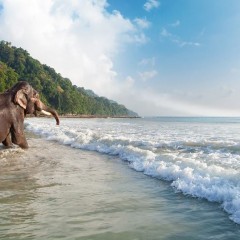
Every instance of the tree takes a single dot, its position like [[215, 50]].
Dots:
[[55, 90], [7, 77]]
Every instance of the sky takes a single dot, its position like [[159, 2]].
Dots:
[[157, 57]]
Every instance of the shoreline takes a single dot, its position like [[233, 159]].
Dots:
[[87, 116], [95, 116]]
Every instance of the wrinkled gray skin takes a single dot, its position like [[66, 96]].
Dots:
[[15, 103]]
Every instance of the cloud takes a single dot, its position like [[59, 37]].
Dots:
[[148, 62], [139, 38], [175, 24], [78, 38], [165, 33], [176, 39], [169, 104], [147, 75], [150, 4], [142, 22], [182, 43]]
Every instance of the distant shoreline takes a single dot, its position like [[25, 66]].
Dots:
[[87, 116], [94, 116]]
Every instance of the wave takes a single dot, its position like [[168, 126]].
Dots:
[[203, 168]]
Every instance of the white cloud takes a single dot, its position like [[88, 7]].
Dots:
[[147, 62], [165, 33], [167, 104], [150, 4], [175, 24], [142, 22], [182, 43], [147, 75], [177, 40], [77, 38]]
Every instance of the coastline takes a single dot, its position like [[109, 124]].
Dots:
[[95, 116], [85, 116]]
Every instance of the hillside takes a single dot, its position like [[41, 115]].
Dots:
[[56, 91]]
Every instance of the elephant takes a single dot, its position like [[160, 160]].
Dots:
[[15, 103]]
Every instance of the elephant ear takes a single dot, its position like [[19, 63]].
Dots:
[[20, 99]]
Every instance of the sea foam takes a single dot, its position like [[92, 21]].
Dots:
[[198, 159]]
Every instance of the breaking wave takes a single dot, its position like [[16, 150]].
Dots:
[[198, 159]]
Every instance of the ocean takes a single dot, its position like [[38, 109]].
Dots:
[[143, 178]]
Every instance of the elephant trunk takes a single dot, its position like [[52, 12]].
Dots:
[[41, 107], [50, 111]]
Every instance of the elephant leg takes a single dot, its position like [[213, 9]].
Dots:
[[7, 142], [18, 137]]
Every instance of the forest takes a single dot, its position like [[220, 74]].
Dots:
[[16, 64]]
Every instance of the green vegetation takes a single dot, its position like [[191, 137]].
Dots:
[[17, 65]]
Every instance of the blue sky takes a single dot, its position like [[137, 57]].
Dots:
[[157, 57], [195, 48]]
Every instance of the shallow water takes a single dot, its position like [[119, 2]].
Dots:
[[53, 191]]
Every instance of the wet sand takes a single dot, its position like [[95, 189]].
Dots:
[[55, 192]]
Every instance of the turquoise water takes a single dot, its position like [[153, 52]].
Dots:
[[122, 179]]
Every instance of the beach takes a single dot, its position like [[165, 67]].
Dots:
[[55, 190]]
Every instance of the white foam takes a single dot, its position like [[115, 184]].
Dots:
[[7, 153], [202, 161]]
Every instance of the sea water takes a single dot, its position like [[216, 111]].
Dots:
[[156, 178], [198, 156]]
